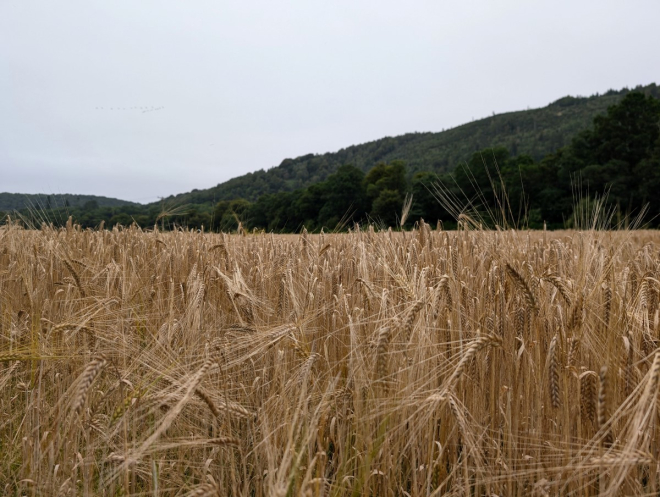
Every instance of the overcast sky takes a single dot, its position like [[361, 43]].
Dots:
[[138, 99]]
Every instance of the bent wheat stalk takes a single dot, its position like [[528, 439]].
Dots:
[[476, 346]]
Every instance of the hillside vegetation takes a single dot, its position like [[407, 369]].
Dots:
[[41, 201], [415, 363], [615, 160], [534, 132]]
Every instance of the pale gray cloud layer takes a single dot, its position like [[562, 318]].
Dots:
[[246, 84]]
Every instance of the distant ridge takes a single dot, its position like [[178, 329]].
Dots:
[[40, 201], [535, 132]]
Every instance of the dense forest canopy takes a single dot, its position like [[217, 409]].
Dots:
[[534, 132], [616, 158], [18, 201]]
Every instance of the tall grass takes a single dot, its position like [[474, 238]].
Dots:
[[369, 363]]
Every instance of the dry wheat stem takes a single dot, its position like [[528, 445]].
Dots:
[[347, 364]]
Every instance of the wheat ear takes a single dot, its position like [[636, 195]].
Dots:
[[443, 286], [384, 337], [521, 283], [475, 347], [553, 373], [588, 395], [190, 387], [205, 490], [629, 372], [561, 286], [91, 371], [602, 406], [75, 276]]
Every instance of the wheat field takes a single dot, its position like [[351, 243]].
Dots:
[[366, 363]]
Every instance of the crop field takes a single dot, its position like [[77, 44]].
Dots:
[[366, 363]]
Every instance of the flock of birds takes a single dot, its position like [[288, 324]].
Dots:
[[142, 109]]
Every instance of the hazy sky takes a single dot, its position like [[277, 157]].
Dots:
[[240, 86]]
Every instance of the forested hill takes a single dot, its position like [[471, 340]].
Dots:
[[615, 159], [41, 201], [535, 132]]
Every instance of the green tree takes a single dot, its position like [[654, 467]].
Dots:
[[387, 206], [648, 174], [385, 187], [309, 203], [228, 213], [344, 197], [479, 182], [609, 156], [426, 204]]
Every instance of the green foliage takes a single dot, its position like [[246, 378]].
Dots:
[[323, 205], [386, 206], [481, 174], [18, 201], [647, 173], [228, 214], [619, 155], [535, 132], [386, 187], [425, 204], [343, 197]]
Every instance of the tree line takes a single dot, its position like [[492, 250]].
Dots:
[[617, 159], [534, 132]]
